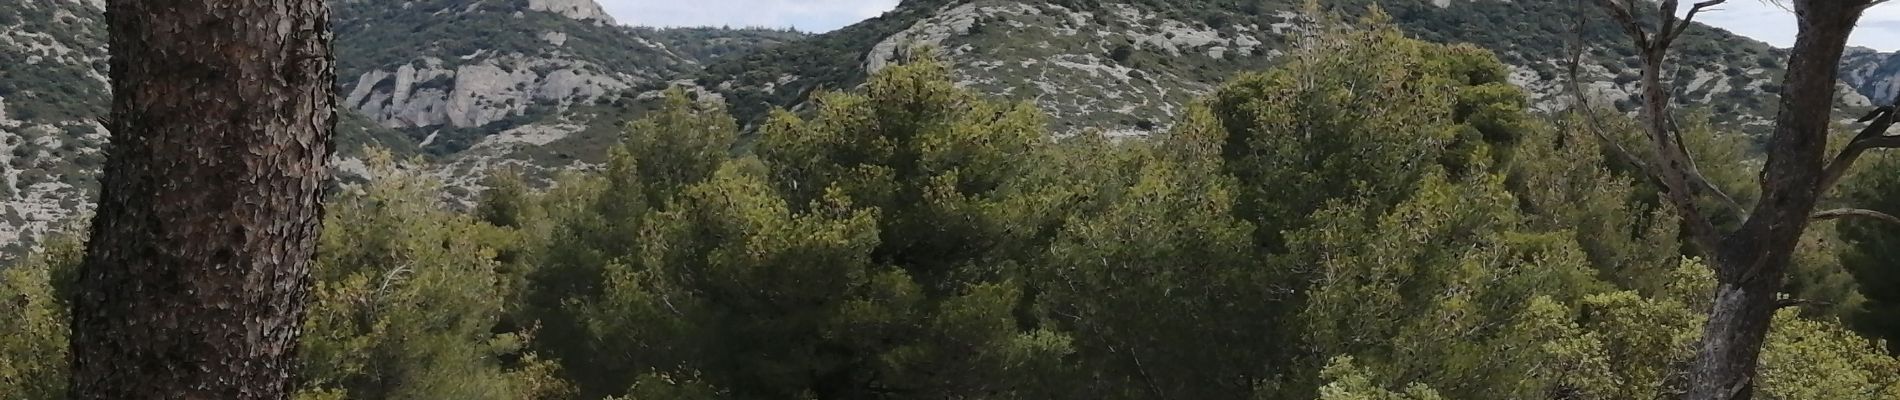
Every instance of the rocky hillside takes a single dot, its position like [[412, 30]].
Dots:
[[454, 71], [539, 84], [52, 86], [467, 84], [472, 85], [1127, 67], [1872, 73]]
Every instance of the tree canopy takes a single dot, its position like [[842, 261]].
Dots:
[[1378, 218]]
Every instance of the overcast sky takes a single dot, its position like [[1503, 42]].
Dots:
[[806, 15], [1765, 21], [1759, 19]]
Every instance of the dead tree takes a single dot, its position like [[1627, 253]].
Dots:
[[196, 276], [1752, 260]]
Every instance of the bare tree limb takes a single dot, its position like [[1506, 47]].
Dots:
[[1575, 86], [1673, 167], [1676, 27], [1750, 262], [1693, 171], [1793, 302], [1872, 137], [1855, 213], [1626, 18], [1882, 142]]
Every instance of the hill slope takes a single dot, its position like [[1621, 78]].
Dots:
[[543, 84], [1128, 67], [52, 86], [1872, 73], [475, 67], [434, 77]]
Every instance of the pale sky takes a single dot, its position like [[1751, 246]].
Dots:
[[1760, 19], [1768, 22], [806, 15]]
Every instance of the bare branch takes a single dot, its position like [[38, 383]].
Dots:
[[1793, 302], [1872, 137], [1673, 167], [1674, 30], [1882, 142], [1855, 213], [1626, 17], [1575, 86], [1583, 106], [1693, 171]]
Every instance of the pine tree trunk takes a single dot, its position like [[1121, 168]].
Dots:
[[195, 282], [1754, 260]]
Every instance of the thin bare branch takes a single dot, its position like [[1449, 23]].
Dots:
[[1841, 213], [1626, 17], [1693, 171], [1793, 302], [1575, 85], [1874, 136], [1673, 167], [1676, 28]]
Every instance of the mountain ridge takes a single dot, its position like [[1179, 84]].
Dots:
[[543, 85], [1156, 56], [410, 71]]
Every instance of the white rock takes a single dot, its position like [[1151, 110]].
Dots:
[[477, 94], [480, 95], [585, 10], [932, 31], [4, 122]]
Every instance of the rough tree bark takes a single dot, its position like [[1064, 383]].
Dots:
[[1751, 262], [195, 282]]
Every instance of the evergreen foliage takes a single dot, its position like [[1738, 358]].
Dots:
[[1378, 218], [34, 300], [1870, 247], [408, 303]]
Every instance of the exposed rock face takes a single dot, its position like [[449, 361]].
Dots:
[[506, 82], [422, 66], [1132, 68], [468, 169], [933, 31], [474, 95], [1874, 74], [511, 59], [1080, 66], [1127, 70], [586, 10]]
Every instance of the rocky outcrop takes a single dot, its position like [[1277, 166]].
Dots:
[[1872, 73], [477, 94], [501, 67], [1081, 66], [585, 10], [1128, 68], [933, 31]]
